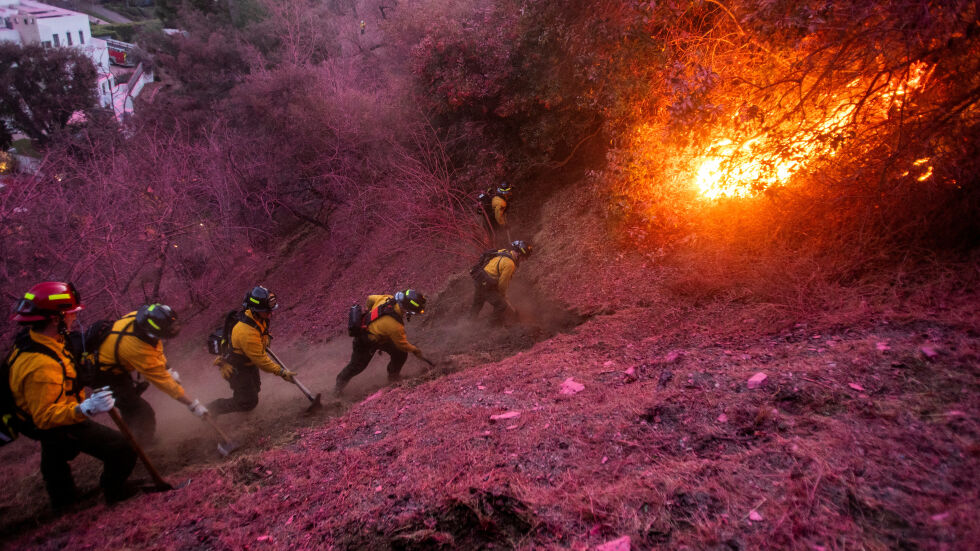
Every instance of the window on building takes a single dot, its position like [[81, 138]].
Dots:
[[81, 37], [68, 36], [57, 40], [46, 43]]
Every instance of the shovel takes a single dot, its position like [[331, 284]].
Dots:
[[160, 485], [227, 445], [315, 400]]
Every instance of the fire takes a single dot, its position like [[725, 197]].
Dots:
[[926, 175], [744, 168], [926, 172]]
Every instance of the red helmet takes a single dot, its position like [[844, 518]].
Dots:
[[46, 300]]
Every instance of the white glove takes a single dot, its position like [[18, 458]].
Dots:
[[100, 401], [197, 409], [174, 375]]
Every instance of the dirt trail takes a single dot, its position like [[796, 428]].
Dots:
[[185, 444]]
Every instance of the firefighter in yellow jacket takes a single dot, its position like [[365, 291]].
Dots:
[[133, 348], [383, 328], [494, 211], [50, 405], [249, 340], [492, 276]]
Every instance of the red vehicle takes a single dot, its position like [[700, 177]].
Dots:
[[119, 52]]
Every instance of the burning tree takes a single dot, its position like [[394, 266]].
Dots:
[[823, 111]]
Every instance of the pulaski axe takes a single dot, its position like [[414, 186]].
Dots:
[[314, 400]]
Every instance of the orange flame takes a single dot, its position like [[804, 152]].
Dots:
[[743, 169]]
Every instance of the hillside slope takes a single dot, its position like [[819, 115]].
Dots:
[[863, 433]]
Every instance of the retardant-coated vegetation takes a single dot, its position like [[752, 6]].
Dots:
[[714, 190]]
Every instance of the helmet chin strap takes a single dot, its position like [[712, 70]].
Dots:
[[62, 326]]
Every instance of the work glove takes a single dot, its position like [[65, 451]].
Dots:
[[100, 401], [227, 370], [174, 375], [197, 409], [287, 375]]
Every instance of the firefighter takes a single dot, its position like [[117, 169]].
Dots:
[[133, 348], [492, 276], [383, 328], [53, 410], [249, 340], [494, 212]]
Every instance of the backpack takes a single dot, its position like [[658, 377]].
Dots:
[[477, 272], [13, 420], [358, 320], [219, 341], [485, 203], [84, 349], [355, 316]]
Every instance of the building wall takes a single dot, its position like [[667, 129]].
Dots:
[[9, 35], [97, 50], [26, 25], [66, 28], [48, 25]]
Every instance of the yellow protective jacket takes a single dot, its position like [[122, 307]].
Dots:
[[388, 329], [499, 205], [501, 269], [251, 343], [41, 388], [137, 355]]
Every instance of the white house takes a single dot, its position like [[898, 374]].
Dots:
[[49, 25], [29, 22]]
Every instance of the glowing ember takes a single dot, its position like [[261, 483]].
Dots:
[[926, 175], [925, 172]]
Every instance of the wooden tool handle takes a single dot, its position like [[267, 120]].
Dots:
[[302, 387], [221, 433], [124, 429], [305, 390]]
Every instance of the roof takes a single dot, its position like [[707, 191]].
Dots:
[[43, 11]]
